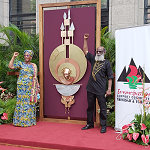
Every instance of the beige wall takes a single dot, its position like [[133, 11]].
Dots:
[[125, 13], [4, 12]]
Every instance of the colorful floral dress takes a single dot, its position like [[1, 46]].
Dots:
[[25, 111]]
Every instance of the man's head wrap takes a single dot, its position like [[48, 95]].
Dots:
[[30, 52]]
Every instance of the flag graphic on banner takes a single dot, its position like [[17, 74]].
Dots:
[[133, 76]]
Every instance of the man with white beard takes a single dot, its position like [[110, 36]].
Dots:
[[96, 87]]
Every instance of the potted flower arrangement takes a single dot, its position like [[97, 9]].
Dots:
[[138, 131]]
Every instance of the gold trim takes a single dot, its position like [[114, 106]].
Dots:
[[98, 43], [39, 148], [69, 3], [41, 59], [64, 121], [98, 37], [97, 67]]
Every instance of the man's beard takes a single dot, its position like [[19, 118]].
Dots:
[[99, 58]]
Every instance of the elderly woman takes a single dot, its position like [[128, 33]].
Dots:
[[27, 90]]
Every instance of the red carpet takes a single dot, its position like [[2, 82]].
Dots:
[[65, 137]]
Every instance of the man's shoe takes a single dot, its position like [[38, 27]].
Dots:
[[103, 129], [87, 127]]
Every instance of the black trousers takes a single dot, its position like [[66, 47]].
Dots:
[[91, 98]]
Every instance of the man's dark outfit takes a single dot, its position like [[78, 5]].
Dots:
[[96, 88]]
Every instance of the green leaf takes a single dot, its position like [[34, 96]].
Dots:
[[1, 110], [124, 135], [131, 130], [146, 132]]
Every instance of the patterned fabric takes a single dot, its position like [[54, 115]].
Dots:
[[26, 73], [34, 90], [25, 111], [97, 67], [30, 52]]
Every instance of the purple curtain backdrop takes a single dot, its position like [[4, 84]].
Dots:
[[84, 22]]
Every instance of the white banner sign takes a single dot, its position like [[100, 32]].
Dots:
[[132, 61]]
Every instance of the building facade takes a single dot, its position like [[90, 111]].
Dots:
[[4, 13], [125, 13], [122, 13]]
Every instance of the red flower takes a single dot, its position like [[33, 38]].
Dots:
[[125, 128], [144, 138], [143, 126], [2, 89], [5, 116], [145, 94], [1, 82], [129, 136], [135, 136]]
